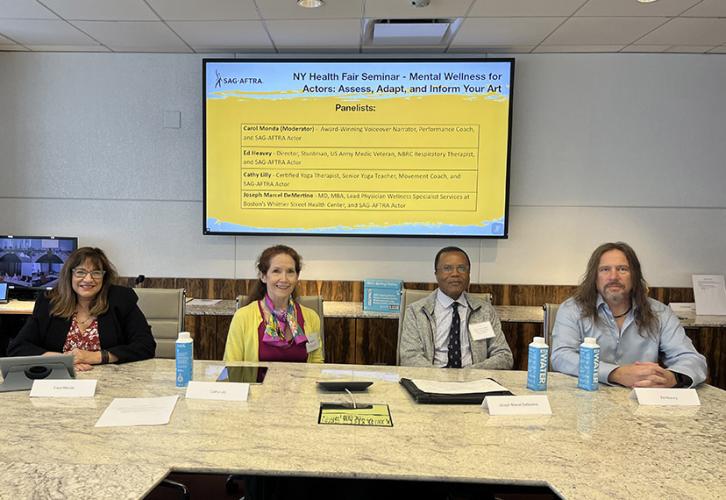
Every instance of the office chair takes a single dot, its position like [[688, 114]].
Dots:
[[408, 297], [550, 314], [164, 311]]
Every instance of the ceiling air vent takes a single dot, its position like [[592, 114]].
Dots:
[[409, 32]]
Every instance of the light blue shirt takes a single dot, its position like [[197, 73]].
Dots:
[[671, 347]]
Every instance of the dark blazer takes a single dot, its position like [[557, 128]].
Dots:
[[122, 329]]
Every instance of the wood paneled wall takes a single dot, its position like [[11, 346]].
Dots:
[[373, 341], [352, 291]]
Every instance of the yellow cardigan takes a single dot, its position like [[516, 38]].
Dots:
[[243, 339]]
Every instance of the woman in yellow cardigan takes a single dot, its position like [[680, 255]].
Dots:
[[273, 326]]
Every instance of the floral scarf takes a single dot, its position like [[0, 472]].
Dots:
[[279, 325]]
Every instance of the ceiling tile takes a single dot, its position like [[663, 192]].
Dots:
[[688, 31], [645, 48], [524, 8], [102, 10], [43, 32], [129, 36], [602, 30], [386, 9], [577, 48], [690, 49], [707, 8], [223, 35], [332, 9], [328, 35], [23, 9], [524, 49], [209, 10], [661, 8], [492, 32], [68, 48]]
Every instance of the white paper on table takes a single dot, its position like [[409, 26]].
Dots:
[[63, 388], [360, 375], [138, 411], [203, 302], [222, 391], [473, 386], [709, 290]]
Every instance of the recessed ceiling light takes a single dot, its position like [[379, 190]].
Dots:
[[310, 4], [641, 1]]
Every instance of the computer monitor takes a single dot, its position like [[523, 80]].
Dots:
[[29, 264]]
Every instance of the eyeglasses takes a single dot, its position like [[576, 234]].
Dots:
[[618, 269], [79, 272], [448, 269]]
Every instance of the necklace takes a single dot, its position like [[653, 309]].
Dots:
[[618, 316]]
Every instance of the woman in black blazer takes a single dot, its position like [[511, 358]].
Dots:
[[88, 316]]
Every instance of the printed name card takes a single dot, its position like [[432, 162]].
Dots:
[[64, 388], [222, 391], [665, 397], [517, 405]]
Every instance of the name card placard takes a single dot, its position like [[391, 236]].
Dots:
[[517, 405], [665, 397], [220, 391], [55, 388]]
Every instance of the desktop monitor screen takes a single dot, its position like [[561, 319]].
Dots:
[[33, 262], [394, 147]]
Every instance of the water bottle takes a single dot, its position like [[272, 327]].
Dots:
[[589, 364], [537, 362], [184, 359]]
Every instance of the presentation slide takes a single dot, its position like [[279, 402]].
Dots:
[[401, 148]]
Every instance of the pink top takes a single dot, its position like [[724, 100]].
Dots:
[[87, 340], [291, 352]]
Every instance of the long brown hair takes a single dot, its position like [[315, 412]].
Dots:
[[586, 294], [63, 299], [263, 265]]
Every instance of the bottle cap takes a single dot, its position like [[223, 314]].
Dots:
[[184, 336], [590, 341], [539, 341]]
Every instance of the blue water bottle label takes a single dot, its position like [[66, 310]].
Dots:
[[589, 364], [184, 363], [537, 368]]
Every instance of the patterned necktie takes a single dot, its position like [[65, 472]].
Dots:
[[454, 345]]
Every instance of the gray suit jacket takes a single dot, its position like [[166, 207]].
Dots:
[[419, 325]]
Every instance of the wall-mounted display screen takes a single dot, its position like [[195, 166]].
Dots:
[[33, 262], [414, 147]]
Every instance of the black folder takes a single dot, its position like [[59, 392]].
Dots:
[[448, 399]]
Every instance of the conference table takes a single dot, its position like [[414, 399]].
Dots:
[[594, 445]]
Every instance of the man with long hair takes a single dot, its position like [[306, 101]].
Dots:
[[642, 343]]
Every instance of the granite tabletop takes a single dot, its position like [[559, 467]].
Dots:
[[595, 445]]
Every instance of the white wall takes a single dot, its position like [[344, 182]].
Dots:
[[605, 147]]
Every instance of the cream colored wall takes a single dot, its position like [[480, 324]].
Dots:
[[605, 147]]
